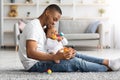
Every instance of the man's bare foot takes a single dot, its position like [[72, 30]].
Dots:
[[106, 63]]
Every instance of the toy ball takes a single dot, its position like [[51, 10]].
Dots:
[[54, 37], [49, 71], [60, 34], [66, 50]]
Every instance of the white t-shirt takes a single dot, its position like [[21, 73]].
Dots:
[[32, 31], [55, 45]]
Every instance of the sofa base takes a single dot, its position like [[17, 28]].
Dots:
[[84, 43]]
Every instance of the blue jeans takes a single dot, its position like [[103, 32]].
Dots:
[[80, 63]]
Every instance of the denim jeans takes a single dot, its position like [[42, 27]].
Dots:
[[80, 63]]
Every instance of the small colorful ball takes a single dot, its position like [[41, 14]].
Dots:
[[49, 71], [61, 34], [66, 50]]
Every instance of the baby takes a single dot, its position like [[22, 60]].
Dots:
[[54, 41]]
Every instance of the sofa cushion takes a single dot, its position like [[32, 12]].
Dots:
[[92, 28], [82, 36], [72, 26]]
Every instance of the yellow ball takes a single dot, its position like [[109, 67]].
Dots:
[[66, 50], [49, 71], [54, 37]]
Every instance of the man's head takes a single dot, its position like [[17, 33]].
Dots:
[[54, 7], [51, 15]]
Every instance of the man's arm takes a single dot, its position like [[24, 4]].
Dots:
[[31, 49]]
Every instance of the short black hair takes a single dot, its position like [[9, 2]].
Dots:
[[54, 7]]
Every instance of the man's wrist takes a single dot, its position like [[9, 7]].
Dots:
[[53, 57]]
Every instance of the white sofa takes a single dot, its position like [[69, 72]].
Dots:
[[74, 31]]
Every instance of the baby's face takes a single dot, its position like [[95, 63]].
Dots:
[[51, 32]]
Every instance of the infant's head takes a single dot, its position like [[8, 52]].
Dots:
[[50, 32]]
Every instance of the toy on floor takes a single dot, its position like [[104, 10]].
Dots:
[[49, 71], [13, 11]]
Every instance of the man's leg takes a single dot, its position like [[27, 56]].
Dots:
[[72, 65], [77, 64], [89, 58], [112, 64]]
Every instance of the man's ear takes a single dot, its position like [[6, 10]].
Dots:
[[47, 12]]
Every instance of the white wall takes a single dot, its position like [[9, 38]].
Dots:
[[115, 22], [0, 24], [69, 10], [79, 11]]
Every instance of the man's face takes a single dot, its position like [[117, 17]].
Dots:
[[52, 18]]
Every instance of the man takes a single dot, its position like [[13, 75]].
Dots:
[[35, 58]]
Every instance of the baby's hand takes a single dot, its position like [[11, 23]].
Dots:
[[59, 38]]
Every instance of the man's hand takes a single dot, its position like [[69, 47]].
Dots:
[[62, 55], [59, 55], [72, 52]]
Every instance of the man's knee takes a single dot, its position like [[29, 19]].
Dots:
[[74, 61]]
